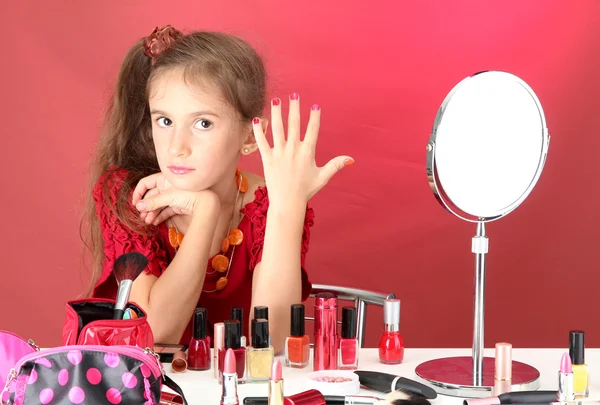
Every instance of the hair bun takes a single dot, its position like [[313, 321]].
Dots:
[[159, 40]]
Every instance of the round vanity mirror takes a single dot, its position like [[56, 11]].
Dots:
[[485, 154]]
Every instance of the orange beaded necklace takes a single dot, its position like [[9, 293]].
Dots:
[[220, 263]]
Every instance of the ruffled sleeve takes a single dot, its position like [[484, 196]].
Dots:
[[118, 237], [256, 211]]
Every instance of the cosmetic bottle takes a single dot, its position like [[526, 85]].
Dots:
[[348, 347], [219, 343], [503, 369], [259, 356], [237, 314], [233, 335], [199, 351], [580, 369], [391, 344], [325, 352], [297, 345]]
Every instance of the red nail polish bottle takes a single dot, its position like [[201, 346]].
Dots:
[[233, 336], [348, 351], [391, 344], [199, 350]]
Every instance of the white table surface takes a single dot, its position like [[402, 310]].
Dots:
[[200, 387]]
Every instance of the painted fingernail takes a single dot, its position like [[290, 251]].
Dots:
[[256, 120], [348, 162], [140, 206], [294, 96], [276, 101], [316, 107]]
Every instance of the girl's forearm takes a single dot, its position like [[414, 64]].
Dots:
[[277, 279]]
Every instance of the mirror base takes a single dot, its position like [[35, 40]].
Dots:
[[453, 376]]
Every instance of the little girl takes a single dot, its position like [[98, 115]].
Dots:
[[166, 184]]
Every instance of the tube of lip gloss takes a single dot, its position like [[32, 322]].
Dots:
[[219, 344]]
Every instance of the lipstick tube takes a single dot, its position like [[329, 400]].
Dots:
[[276, 385], [229, 394], [565, 380], [503, 370], [325, 352]]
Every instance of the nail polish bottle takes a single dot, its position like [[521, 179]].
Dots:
[[580, 369], [391, 344], [348, 350], [259, 356], [262, 313], [237, 314], [297, 345], [233, 336], [219, 343], [199, 350]]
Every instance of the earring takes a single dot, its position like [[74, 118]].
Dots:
[[246, 150]]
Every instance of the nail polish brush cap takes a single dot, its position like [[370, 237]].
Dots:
[[297, 327], [577, 346], [391, 312], [260, 333], [200, 323], [349, 323]]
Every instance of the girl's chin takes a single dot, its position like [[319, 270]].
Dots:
[[185, 182]]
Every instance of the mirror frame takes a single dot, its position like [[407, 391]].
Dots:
[[432, 174]]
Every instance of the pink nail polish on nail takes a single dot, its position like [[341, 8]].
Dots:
[[316, 107], [256, 121], [294, 96], [276, 101], [348, 162]]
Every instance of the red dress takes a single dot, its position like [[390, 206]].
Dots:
[[119, 239]]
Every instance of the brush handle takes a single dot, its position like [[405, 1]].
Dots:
[[122, 298]]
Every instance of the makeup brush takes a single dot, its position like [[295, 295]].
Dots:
[[398, 397], [127, 268], [403, 397]]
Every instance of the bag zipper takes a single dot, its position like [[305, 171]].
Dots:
[[30, 342], [131, 351]]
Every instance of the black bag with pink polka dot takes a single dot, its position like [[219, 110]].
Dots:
[[86, 375]]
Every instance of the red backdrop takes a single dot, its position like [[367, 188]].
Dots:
[[380, 74]]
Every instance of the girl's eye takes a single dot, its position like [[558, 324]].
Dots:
[[203, 124], [164, 122]]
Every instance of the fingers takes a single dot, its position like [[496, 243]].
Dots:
[[150, 204], [143, 186], [277, 124], [149, 194], [293, 128], [332, 167], [260, 137], [164, 215], [312, 130]]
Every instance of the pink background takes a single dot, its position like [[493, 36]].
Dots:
[[380, 74]]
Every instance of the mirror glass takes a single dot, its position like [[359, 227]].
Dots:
[[488, 146]]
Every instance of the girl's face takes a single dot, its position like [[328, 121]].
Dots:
[[197, 135]]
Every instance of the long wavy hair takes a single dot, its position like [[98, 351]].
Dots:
[[126, 140]]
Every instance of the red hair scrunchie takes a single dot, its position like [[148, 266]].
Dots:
[[160, 40]]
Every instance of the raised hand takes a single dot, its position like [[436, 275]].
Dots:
[[291, 173]]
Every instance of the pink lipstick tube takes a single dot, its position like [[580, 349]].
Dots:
[[325, 356], [503, 371]]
